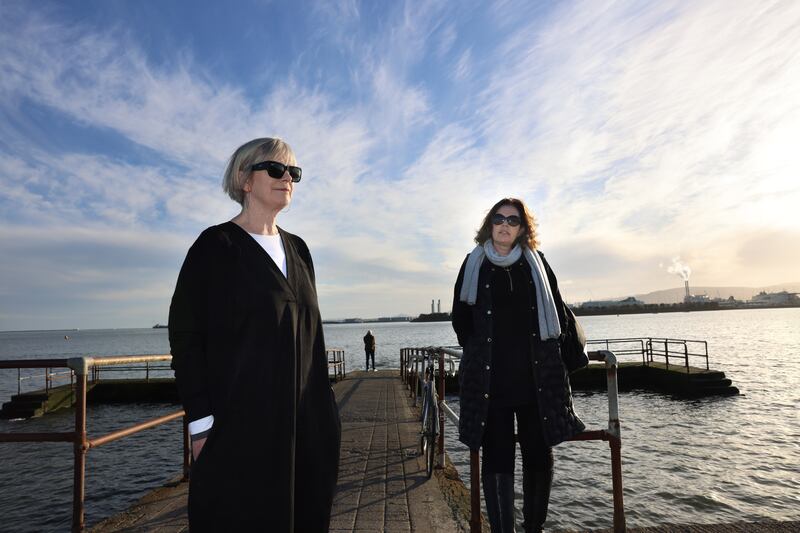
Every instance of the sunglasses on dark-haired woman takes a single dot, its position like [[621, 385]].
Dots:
[[512, 220]]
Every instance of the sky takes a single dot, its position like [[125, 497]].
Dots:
[[645, 136]]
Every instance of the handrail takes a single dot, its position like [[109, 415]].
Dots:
[[612, 433], [105, 361], [81, 443]]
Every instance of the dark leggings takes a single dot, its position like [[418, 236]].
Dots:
[[499, 448], [370, 353]]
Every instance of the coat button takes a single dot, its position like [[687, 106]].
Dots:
[[486, 396], [544, 418], [540, 389], [489, 339], [487, 285], [533, 307], [536, 362], [487, 367], [533, 334], [489, 312], [484, 423]]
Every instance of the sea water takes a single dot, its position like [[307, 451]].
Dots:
[[709, 460]]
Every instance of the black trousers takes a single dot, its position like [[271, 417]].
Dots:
[[370, 353], [499, 448]]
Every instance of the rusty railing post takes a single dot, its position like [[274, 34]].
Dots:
[[616, 481], [686, 355], [475, 491], [441, 411], [416, 378], [614, 433], [80, 365]]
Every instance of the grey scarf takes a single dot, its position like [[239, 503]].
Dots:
[[549, 327]]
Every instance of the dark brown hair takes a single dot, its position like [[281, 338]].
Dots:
[[526, 237]]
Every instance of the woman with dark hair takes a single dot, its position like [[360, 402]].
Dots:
[[249, 358], [512, 323]]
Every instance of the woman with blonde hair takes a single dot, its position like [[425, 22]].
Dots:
[[249, 358], [513, 325]]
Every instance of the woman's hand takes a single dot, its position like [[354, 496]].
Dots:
[[197, 445]]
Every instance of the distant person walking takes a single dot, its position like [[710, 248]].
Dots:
[[369, 348], [520, 341], [249, 358]]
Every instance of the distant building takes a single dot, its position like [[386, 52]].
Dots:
[[730, 301], [629, 301], [696, 299], [775, 298]]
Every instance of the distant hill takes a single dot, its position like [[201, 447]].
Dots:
[[670, 296]]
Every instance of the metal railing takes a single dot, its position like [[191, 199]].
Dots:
[[652, 348], [336, 362], [50, 376], [147, 368], [81, 367], [410, 358], [677, 349]]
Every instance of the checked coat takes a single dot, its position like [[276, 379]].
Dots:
[[553, 394]]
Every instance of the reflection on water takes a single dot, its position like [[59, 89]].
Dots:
[[684, 461]]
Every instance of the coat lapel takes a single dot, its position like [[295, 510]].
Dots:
[[293, 266], [254, 248]]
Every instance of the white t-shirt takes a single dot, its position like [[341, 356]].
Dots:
[[273, 245]]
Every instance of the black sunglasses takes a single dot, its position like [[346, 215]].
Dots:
[[277, 170], [512, 220]]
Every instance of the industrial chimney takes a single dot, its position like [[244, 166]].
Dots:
[[688, 296], [432, 306], [438, 306]]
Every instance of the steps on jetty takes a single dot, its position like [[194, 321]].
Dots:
[[692, 382], [33, 404]]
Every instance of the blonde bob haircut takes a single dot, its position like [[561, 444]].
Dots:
[[527, 236], [238, 171]]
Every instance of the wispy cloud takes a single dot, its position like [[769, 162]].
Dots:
[[636, 131]]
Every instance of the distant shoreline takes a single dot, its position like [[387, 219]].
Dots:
[[445, 317], [647, 309]]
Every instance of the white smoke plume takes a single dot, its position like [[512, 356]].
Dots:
[[679, 268]]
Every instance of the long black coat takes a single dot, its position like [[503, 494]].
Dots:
[[247, 346], [473, 327]]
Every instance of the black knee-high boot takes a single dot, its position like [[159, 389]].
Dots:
[[536, 496], [498, 491]]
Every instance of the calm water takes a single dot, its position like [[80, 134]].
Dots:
[[699, 461]]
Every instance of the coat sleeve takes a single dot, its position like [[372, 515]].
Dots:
[[574, 339], [462, 314], [187, 331], [305, 254]]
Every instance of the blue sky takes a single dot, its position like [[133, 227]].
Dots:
[[642, 134]]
